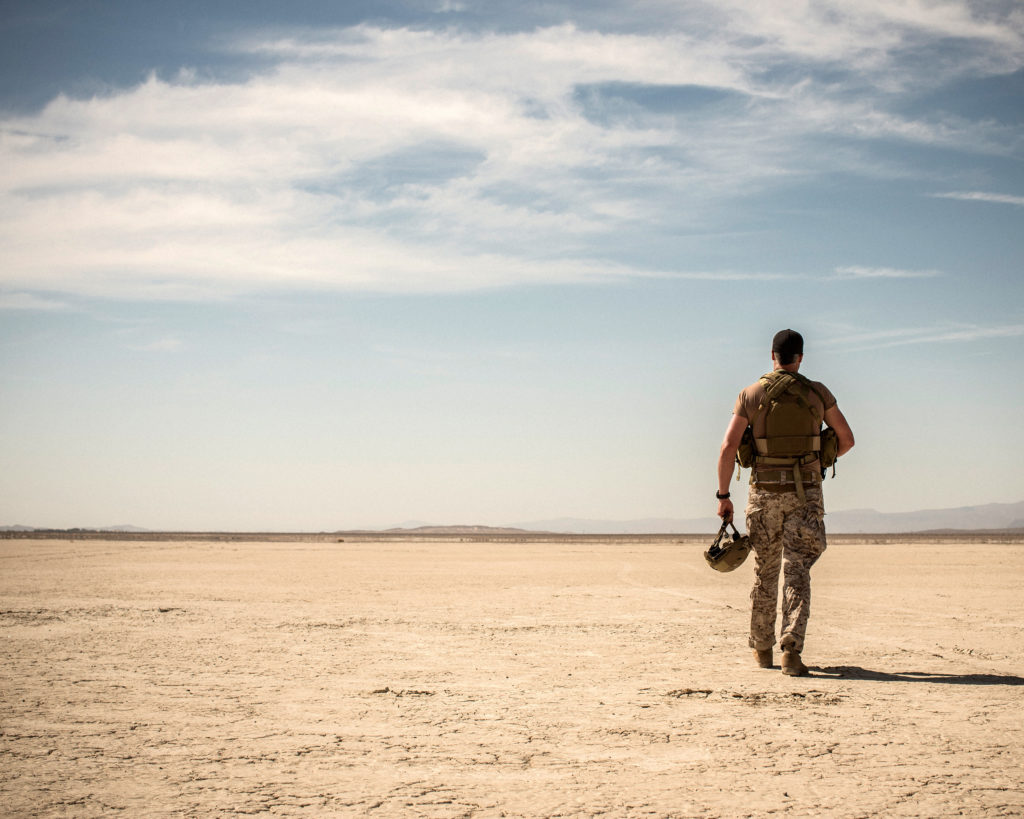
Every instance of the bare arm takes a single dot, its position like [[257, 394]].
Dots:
[[835, 419], [726, 459]]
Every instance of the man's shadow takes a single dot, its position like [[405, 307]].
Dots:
[[854, 672]]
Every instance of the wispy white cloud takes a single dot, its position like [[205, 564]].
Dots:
[[314, 174], [31, 301], [725, 276], [982, 196], [167, 344], [868, 32], [855, 272], [900, 337]]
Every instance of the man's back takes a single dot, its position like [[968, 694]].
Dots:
[[753, 398]]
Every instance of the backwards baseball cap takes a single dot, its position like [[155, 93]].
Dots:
[[788, 343]]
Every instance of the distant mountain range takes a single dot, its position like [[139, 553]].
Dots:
[[424, 529], [76, 529], [853, 521]]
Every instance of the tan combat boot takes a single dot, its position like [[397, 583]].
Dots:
[[792, 665], [764, 657]]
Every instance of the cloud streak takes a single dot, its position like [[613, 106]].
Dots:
[[32, 301], [859, 342], [398, 160], [854, 272], [167, 344], [981, 196]]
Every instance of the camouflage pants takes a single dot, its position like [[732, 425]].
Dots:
[[785, 535]]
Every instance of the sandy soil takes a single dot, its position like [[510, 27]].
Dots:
[[501, 679]]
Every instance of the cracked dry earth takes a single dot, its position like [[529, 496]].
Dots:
[[410, 679]]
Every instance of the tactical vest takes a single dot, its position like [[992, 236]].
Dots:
[[792, 440]]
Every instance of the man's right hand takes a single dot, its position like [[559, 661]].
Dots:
[[725, 509]]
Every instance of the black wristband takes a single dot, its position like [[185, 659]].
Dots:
[[721, 496]]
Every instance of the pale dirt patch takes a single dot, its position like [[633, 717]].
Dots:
[[501, 679]]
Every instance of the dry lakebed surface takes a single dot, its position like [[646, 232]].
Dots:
[[475, 677]]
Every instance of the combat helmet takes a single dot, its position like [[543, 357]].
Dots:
[[728, 551]]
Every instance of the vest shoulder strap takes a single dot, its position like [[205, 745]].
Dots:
[[779, 382]]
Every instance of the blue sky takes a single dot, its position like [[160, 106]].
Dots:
[[308, 267]]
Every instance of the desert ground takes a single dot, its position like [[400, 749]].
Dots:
[[539, 678]]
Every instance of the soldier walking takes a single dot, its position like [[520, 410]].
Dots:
[[778, 418]]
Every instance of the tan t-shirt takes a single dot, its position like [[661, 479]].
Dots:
[[751, 397]]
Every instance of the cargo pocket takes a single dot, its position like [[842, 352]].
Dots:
[[813, 528]]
